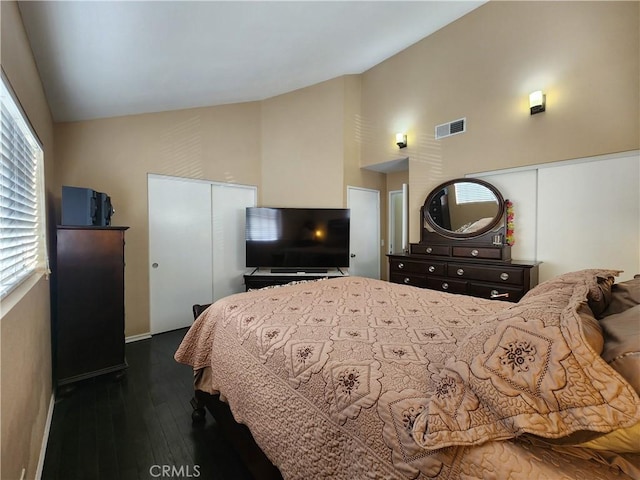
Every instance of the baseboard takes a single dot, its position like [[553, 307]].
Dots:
[[45, 436], [137, 338]]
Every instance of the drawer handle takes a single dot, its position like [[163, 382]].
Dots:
[[407, 280], [429, 250], [474, 253], [460, 271], [401, 266], [497, 294], [432, 269], [445, 286], [504, 276]]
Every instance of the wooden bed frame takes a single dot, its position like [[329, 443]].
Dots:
[[238, 434]]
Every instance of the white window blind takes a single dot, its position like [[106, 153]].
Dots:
[[467, 192], [22, 216]]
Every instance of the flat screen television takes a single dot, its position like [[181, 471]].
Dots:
[[297, 239]]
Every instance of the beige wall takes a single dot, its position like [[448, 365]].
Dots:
[[302, 147], [354, 175], [26, 383], [311, 146], [115, 155], [395, 180], [583, 55]]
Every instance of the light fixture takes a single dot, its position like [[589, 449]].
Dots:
[[537, 102], [401, 140]]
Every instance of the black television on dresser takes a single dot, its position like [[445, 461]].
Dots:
[[85, 207], [297, 239]]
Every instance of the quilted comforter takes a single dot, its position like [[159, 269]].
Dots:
[[359, 378]]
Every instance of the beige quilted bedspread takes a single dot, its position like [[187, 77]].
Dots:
[[331, 376]]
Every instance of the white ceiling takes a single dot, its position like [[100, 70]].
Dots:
[[103, 59]]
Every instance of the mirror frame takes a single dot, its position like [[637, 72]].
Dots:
[[451, 234]]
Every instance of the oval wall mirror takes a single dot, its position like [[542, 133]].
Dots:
[[463, 208]]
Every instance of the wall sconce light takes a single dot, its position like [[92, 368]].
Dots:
[[537, 102], [401, 140]]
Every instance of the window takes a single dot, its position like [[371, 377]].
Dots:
[[22, 218]]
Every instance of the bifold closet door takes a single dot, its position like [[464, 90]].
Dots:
[[180, 250]]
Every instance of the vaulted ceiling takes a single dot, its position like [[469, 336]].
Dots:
[[110, 58]]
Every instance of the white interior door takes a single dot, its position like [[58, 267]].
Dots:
[[364, 232], [229, 203], [398, 220], [394, 246], [180, 254]]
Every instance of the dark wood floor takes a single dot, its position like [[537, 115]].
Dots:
[[138, 426]]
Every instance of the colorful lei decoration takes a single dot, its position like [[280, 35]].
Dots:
[[509, 237]]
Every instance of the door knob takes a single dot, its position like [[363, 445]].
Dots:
[[154, 265]]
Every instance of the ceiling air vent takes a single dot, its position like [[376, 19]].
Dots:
[[451, 128]]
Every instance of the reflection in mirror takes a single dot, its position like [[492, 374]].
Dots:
[[464, 207]]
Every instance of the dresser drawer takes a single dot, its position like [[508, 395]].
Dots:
[[409, 279], [447, 285], [478, 252], [407, 266], [426, 249], [496, 292], [504, 275], [436, 268]]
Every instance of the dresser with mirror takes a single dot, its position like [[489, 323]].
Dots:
[[464, 245]]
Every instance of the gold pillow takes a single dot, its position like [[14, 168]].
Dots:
[[623, 440]]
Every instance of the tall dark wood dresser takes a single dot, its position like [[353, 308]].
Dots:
[[88, 326]]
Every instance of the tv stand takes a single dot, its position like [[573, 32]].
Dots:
[[299, 270], [260, 278]]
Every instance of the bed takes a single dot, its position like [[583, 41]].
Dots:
[[358, 378]]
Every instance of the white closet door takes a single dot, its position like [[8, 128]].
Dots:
[[180, 255], [228, 209], [589, 216]]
